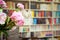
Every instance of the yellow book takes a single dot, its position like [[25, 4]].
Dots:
[[32, 14]]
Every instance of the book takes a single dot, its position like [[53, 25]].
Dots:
[[47, 21], [32, 14], [58, 7], [45, 14], [43, 7], [35, 20], [39, 14], [49, 14], [54, 20], [42, 0], [54, 15], [49, 6], [33, 6], [36, 13], [42, 13], [50, 20], [25, 29], [41, 21], [10, 5], [38, 6], [48, 0], [55, 7], [56, 0], [57, 22]]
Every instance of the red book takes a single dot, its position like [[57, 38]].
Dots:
[[50, 20], [42, 13], [48, 0], [55, 21], [39, 14]]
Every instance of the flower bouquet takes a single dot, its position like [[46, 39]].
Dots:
[[7, 22]]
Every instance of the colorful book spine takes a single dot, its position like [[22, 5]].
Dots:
[[47, 21], [34, 20], [33, 6], [36, 13], [57, 22], [39, 14], [54, 14], [55, 7], [32, 14], [45, 14], [58, 7], [48, 0], [42, 13]]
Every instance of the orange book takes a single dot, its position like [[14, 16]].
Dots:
[[42, 13]]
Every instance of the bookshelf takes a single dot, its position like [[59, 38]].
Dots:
[[44, 20]]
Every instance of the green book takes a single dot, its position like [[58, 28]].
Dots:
[[54, 14]]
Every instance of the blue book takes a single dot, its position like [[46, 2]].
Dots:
[[58, 7], [44, 13], [34, 20], [57, 21], [59, 14]]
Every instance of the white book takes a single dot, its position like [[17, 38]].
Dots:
[[20, 29], [43, 7]]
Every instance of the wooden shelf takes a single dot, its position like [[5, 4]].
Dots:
[[57, 2], [42, 2], [42, 17], [41, 24], [40, 10]]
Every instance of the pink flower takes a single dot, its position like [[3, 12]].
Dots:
[[20, 22], [2, 2], [20, 5], [17, 18]]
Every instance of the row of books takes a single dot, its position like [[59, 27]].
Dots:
[[41, 14], [57, 21], [12, 5], [35, 28], [56, 0], [41, 6], [45, 14], [46, 21], [41, 0], [24, 29], [56, 14], [43, 34], [42, 20], [45, 6]]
